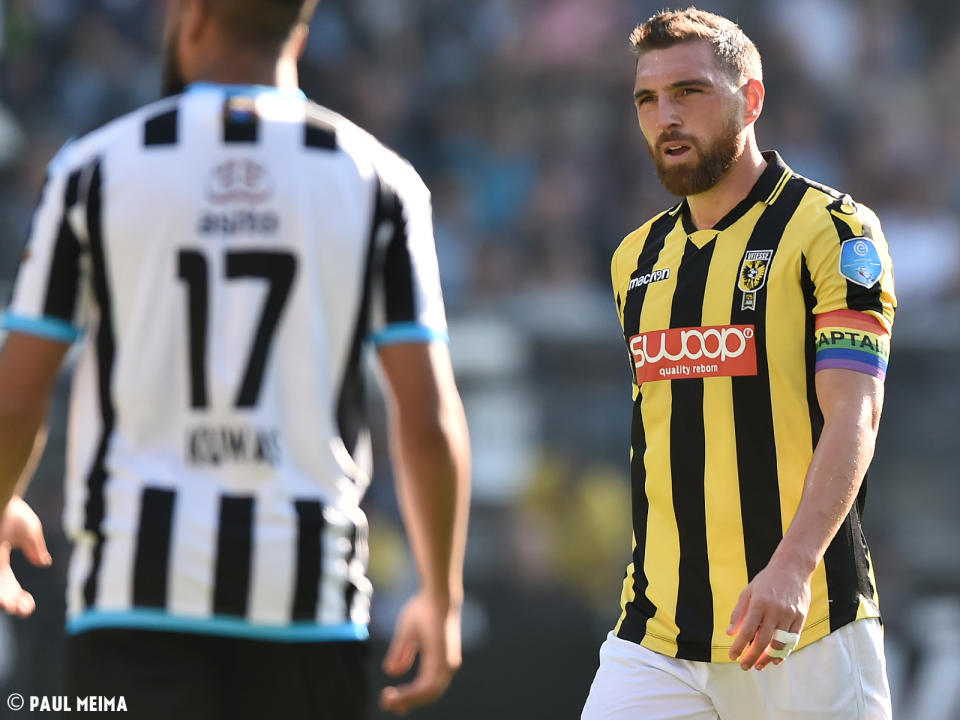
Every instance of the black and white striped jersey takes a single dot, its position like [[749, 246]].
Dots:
[[223, 256]]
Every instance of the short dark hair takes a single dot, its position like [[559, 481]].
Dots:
[[264, 24], [735, 52]]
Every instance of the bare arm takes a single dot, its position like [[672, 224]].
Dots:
[[28, 369], [851, 403], [432, 463], [779, 596]]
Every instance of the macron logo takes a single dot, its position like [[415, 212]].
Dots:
[[650, 277]]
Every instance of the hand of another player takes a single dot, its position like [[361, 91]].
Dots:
[[430, 627], [778, 597], [19, 528]]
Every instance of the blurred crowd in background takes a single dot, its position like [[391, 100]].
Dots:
[[519, 116]]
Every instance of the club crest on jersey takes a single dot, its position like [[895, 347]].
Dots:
[[860, 262], [753, 276], [239, 181]]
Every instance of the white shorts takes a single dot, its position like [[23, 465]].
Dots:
[[840, 677]]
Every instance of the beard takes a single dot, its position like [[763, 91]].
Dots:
[[173, 81], [715, 160]]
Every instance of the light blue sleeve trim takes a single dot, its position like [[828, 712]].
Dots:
[[149, 619], [245, 89], [408, 332], [45, 327], [59, 161]]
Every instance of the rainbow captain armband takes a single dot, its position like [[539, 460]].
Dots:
[[852, 340]]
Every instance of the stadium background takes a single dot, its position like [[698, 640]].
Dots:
[[518, 115]]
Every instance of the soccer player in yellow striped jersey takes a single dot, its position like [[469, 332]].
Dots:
[[756, 316]]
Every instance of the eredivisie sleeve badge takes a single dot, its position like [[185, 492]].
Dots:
[[860, 262], [753, 276]]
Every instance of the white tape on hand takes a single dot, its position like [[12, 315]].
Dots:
[[789, 641]]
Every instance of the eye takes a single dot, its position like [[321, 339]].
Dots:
[[643, 100], [687, 91]]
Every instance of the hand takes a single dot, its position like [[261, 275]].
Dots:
[[777, 598], [19, 528], [431, 627]]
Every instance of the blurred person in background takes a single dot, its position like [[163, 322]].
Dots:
[[223, 257], [757, 314]]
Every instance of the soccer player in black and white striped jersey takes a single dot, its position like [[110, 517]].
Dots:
[[222, 257]]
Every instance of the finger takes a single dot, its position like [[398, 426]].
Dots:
[[35, 546], [13, 598], [401, 653], [747, 630], [390, 701], [765, 657], [739, 612], [426, 687], [795, 627], [773, 654], [9, 587], [15, 601], [764, 660], [759, 644], [25, 604]]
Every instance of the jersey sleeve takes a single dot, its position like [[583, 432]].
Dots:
[[50, 286], [852, 275], [407, 302], [617, 284]]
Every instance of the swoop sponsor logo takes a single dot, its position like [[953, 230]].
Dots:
[[696, 352]]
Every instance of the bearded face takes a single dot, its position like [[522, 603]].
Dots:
[[706, 160]]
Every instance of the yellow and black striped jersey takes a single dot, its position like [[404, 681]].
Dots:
[[725, 330]]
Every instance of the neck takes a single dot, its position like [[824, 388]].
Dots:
[[708, 208], [250, 70]]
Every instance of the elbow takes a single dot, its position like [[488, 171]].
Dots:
[[19, 411], [431, 426], [868, 419], [22, 406], [427, 433], [436, 427], [874, 419]]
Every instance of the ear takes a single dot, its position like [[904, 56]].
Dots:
[[290, 53], [196, 15], [753, 93], [296, 44]]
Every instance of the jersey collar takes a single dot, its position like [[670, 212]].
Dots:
[[254, 90], [766, 189]]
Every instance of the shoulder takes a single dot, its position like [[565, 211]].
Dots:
[[366, 150], [633, 243], [827, 217], [825, 206], [79, 152]]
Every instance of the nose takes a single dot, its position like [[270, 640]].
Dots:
[[668, 115]]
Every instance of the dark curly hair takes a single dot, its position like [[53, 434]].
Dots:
[[735, 52]]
